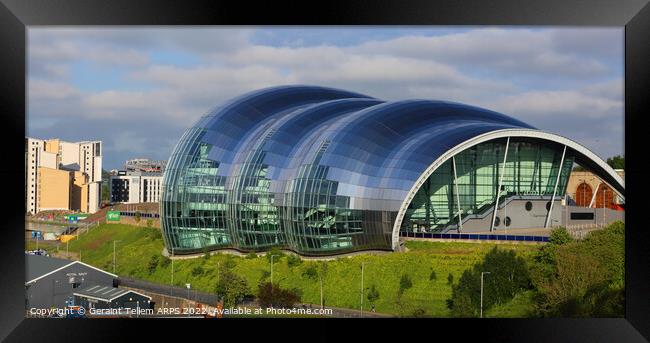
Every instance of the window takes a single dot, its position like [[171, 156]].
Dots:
[[507, 221], [497, 221], [529, 205], [582, 216], [548, 206]]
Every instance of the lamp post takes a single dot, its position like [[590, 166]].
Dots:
[[482, 273], [172, 283], [114, 255], [362, 265], [604, 207], [272, 256], [505, 212], [188, 297], [320, 277]]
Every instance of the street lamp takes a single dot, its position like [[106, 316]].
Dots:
[[171, 289], [362, 265], [482, 273], [114, 255], [188, 297], [272, 256]]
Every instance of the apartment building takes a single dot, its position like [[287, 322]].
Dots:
[[62, 175]]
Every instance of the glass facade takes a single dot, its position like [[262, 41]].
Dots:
[[530, 170], [323, 171]]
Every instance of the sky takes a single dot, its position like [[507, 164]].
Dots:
[[137, 89]]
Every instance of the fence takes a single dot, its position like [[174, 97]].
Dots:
[[474, 236], [168, 290], [580, 231], [84, 228]]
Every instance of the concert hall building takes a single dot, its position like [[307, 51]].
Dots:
[[323, 171]]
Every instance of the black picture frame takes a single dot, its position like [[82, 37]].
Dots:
[[16, 15]]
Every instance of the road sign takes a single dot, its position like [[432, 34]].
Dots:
[[113, 216]]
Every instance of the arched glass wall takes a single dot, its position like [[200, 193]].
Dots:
[[193, 205], [530, 171]]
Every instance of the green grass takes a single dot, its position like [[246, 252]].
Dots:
[[136, 246], [521, 306]]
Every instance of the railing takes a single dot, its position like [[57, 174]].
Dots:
[[168, 290], [474, 236]]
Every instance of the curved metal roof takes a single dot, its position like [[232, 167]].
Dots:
[[374, 149]]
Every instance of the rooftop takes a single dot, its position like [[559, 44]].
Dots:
[[106, 293]]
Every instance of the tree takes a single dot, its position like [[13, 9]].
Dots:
[[508, 275], [560, 236], [450, 279], [231, 287], [275, 296], [576, 273], [582, 278], [373, 294], [404, 283], [616, 162]]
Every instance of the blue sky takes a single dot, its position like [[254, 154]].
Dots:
[[137, 89]]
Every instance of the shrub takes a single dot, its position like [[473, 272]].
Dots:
[[149, 222], [137, 217], [559, 236], [274, 296], [230, 262], [450, 279], [293, 261], [265, 274], [274, 252], [583, 278], [432, 276], [310, 272], [418, 312], [153, 264], [165, 261], [251, 256], [196, 271], [206, 253]]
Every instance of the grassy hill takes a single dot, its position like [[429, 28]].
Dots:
[[136, 247]]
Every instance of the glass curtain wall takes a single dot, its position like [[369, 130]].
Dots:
[[195, 210], [318, 220], [530, 170]]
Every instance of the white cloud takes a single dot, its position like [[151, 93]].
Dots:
[[594, 102], [496, 50], [39, 90], [538, 76]]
